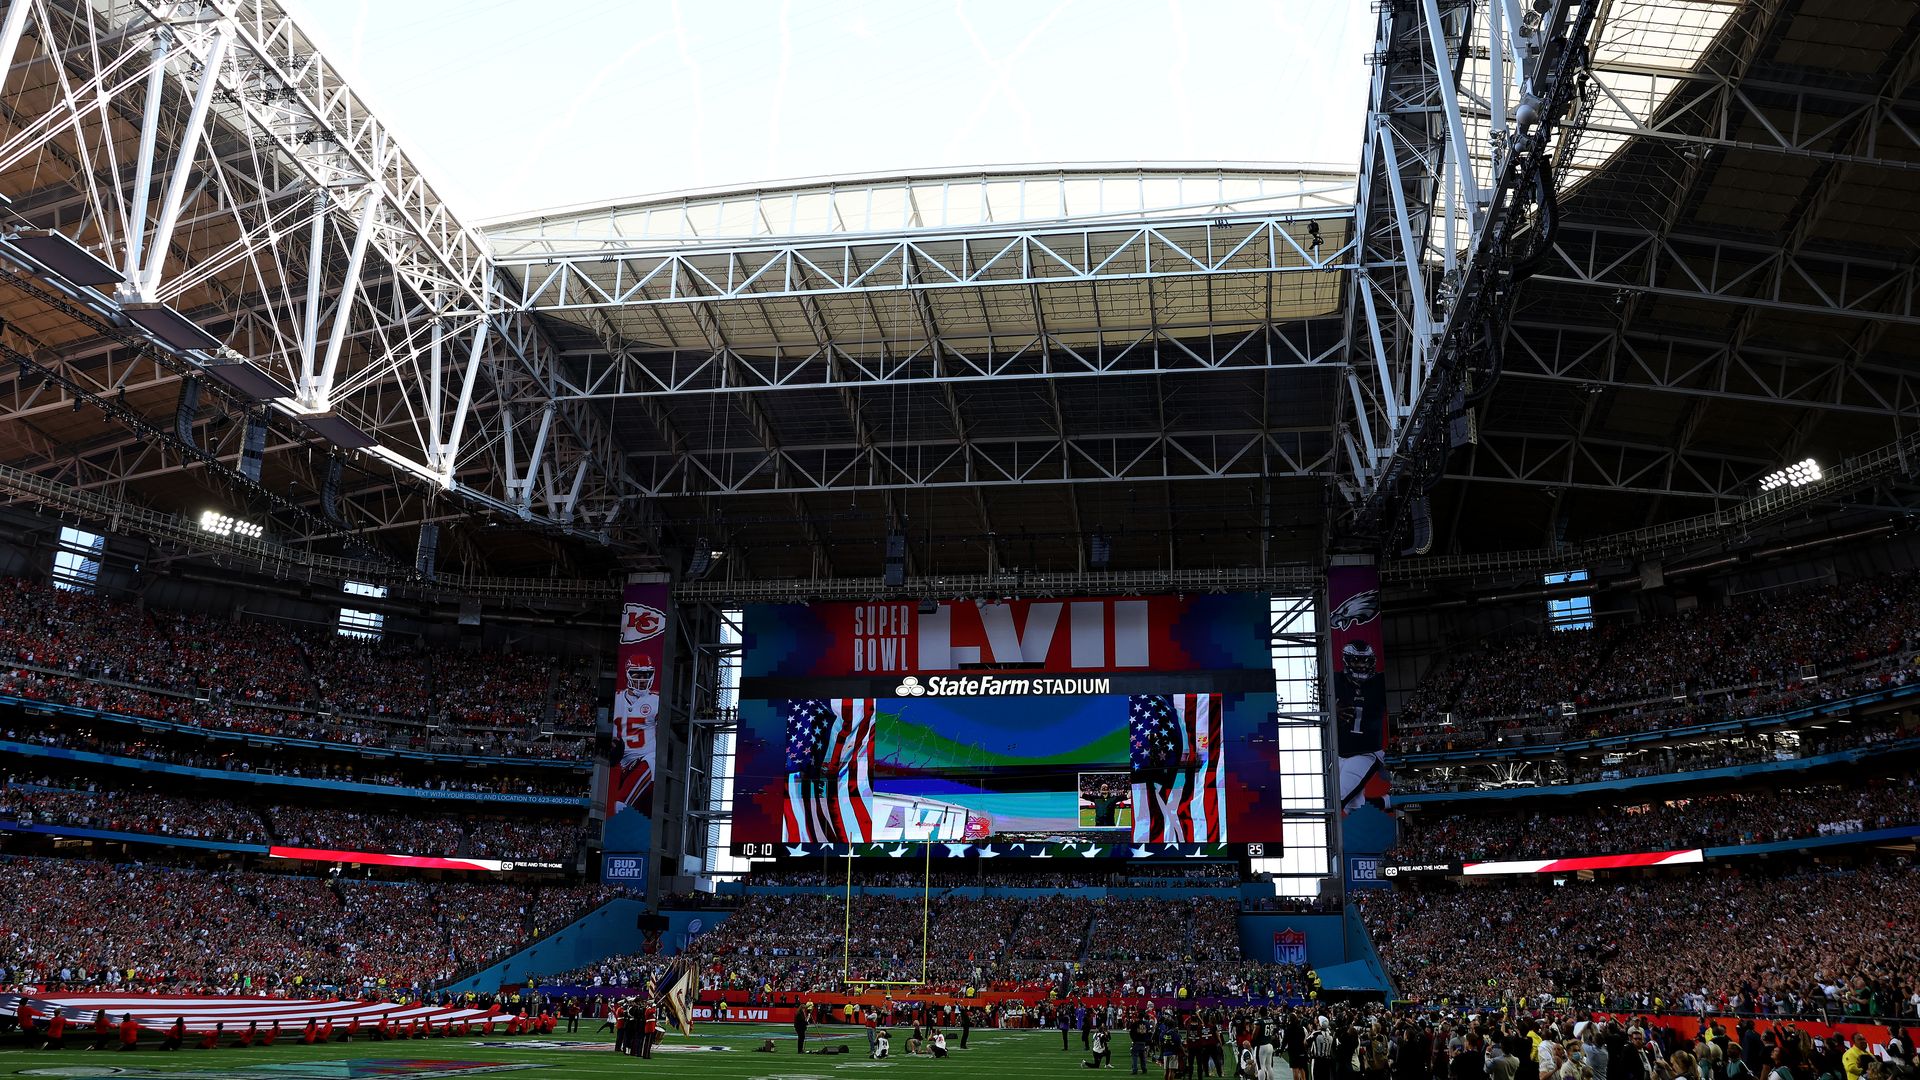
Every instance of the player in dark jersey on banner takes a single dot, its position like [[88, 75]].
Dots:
[[1360, 709]]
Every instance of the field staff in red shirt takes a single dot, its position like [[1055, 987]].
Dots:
[[129, 1033], [102, 1030], [56, 1031], [176, 1035]]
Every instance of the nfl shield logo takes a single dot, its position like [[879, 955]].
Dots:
[[1289, 947]]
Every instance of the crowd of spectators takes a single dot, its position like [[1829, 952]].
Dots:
[[1686, 755], [1802, 941], [944, 875], [83, 802], [43, 801], [1675, 823], [1065, 945], [109, 740], [264, 677], [444, 835], [1742, 658], [72, 924]]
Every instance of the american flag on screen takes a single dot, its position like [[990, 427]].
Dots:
[[829, 771], [1179, 769]]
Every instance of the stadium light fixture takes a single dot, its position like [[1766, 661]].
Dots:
[[1798, 474], [219, 524]]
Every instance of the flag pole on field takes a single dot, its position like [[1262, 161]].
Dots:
[[678, 995]]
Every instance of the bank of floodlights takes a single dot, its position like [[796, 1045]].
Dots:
[[1798, 474], [219, 524]]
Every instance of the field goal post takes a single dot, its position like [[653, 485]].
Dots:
[[926, 921]]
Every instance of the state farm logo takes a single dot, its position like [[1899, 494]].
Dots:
[[641, 622], [997, 685]]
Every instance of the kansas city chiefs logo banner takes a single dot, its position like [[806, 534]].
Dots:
[[641, 622], [636, 697]]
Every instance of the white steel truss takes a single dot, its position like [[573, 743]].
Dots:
[[281, 216], [1436, 211]]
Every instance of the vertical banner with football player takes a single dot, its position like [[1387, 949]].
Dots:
[[636, 697], [1359, 685]]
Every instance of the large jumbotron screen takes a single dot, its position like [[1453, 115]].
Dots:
[[1117, 723]]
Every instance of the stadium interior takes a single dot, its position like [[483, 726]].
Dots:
[[1450, 599]]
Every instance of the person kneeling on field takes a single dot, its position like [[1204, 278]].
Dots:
[[938, 1044], [916, 1045], [1099, 1042], [881, 1043]]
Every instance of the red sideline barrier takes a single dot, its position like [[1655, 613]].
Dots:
[[1689, 1025]]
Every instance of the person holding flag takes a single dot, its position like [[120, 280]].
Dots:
[[103, 1030]]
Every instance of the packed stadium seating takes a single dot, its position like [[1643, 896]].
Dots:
[[1674, 759], [121, 804], [417, 833], [266, 678], [1676, 821], [1793, 941], [786, 944], [130, 811], [244, 760], [1744, 658], [78, 924]]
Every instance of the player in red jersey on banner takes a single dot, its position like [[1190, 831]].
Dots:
[[635, 707]]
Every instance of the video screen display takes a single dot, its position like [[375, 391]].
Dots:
[[1135, 720]]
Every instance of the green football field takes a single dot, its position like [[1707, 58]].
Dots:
[[719, 1051]]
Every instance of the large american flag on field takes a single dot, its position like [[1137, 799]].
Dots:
[[829, 771], [157, 1012], [1179, 769]]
